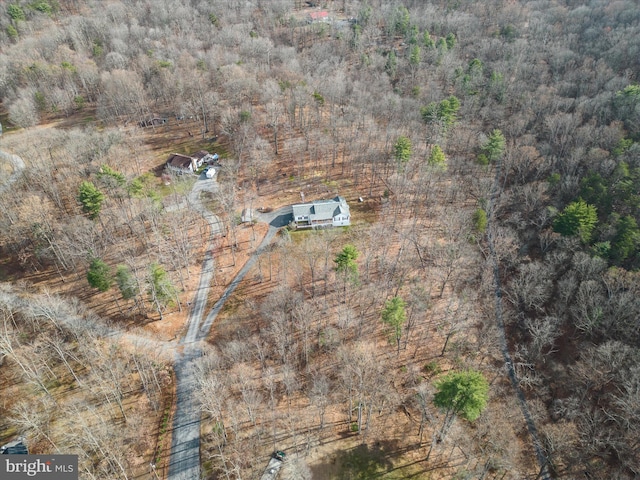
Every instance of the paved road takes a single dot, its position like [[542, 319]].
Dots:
[[185, 447]]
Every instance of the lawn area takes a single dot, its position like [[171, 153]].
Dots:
[[365, 462]]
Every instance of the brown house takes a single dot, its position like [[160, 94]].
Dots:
[[182, 164]]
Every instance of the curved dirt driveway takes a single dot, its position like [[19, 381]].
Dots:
[[18, 167], [184, 463], [185, 447]]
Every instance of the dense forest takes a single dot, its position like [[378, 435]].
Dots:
[[490, 152]]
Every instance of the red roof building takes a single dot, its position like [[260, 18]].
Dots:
[[321, 16]]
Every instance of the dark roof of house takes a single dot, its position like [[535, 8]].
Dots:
[[177, 160], [153, 121], [14, 448], [200, 154]]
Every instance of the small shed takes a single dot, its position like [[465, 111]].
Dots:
[[248, 215]]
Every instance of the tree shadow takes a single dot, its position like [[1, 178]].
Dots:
[[359, 463]]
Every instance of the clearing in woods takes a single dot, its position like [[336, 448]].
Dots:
[[391, 444]]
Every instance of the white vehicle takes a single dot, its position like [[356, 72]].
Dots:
[[274, 466], [210, 172]]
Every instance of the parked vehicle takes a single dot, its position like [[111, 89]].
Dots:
[[210, 172], [275, 464]]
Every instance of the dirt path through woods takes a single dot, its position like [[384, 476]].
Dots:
[[18, 166], [184, 462]]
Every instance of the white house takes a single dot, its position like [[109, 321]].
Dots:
[[322, 213], [203, 157]]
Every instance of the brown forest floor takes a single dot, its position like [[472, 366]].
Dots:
[[394, 435]]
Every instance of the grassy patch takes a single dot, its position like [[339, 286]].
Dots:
[[233, 303], [373, 462], [300, 236], [53, 384], [363, 212], [182, 185], [432, 368], [362, 463], [365, 463], [7, 126], [207, 467], [89, 119], [162, 430]]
